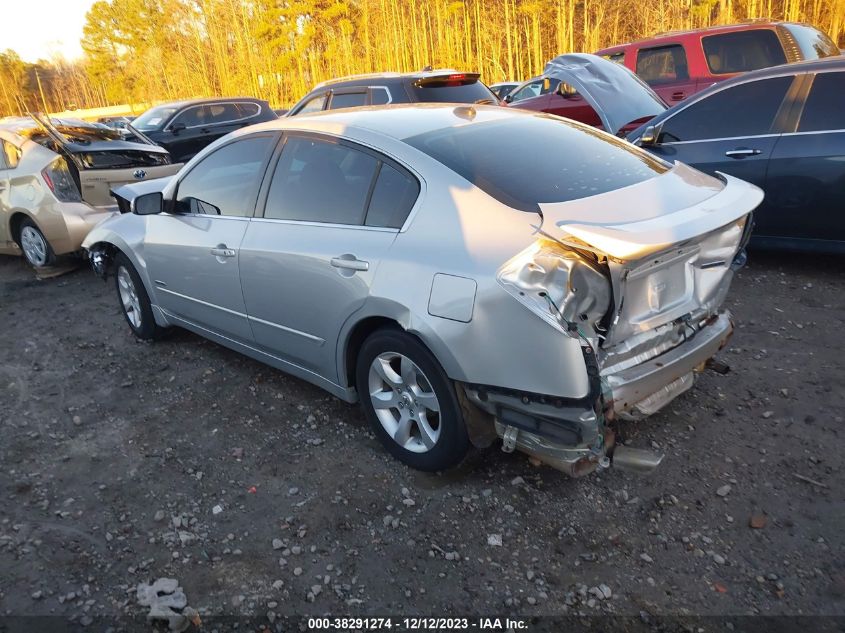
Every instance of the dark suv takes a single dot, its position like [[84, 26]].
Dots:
[[185, 127], [680, 63], [439, 86]]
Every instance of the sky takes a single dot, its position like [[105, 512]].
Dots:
[[38, 29]]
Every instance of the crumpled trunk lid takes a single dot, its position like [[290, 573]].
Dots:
[[670, 244]]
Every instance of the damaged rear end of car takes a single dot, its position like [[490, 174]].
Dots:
[[632, 260], [641, 292]]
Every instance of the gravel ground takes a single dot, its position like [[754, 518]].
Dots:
[[123, 462]]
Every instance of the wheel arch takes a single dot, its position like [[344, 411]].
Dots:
[[15, 221]]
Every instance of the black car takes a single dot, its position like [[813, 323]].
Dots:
[[426, 86], [781, 128], [185, 127]]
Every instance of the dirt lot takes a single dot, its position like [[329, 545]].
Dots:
[[115, 453]]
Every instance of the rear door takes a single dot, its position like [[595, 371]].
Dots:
[[6, 149], [331, 213], [732, 131], [192, 252], [805, 186], [665, 68]]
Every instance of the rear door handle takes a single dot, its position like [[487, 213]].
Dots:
[[350, 262], [223, 252], [741, 152]]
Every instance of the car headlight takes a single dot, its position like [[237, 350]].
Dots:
[[561, 286]]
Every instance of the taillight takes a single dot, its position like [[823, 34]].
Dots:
[[58, 179]]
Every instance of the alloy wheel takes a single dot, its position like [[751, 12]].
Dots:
[[34, 246], [404, 402], [129, 297]]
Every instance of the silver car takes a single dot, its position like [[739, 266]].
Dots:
[[392, 257]]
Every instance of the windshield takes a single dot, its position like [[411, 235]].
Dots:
[[154, 118], [548, 159]]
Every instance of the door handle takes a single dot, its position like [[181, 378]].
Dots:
[[350, 262], [223, 252], [741, 152]]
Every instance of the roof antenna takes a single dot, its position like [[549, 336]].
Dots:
[[427, 69]]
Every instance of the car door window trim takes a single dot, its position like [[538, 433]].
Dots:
[[377, 154], [725, 138]]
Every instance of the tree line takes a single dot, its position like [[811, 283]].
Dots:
[[141, 51]]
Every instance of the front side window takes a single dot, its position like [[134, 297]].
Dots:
[[823, 109], [662, 64], [154, 118], [549, 159], [528, 91], [191, 117], [320, 181], [747, 109], [617, 58], [226, 181], [741, 51], [347, 100]]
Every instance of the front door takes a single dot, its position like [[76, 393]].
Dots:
[[332, 212], [192, 253]]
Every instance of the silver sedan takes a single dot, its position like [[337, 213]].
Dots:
[[394, 256]]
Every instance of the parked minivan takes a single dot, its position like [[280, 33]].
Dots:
[[680, 63]]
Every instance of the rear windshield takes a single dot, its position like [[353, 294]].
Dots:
[[154, 118], [548, 159], [123, 159], [741, 51], [459, 91]]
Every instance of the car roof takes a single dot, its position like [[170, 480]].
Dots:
[[421, 74], [398, 121], [201, 100], [707, 30]]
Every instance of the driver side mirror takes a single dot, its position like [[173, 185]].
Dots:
[[508, 98], [177, 127], [649, 136], [148, 204]]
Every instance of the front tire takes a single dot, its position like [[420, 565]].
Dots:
[[36, 249], [134, 300], [410, 401]]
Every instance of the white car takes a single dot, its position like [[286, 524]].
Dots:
[[392, 256]]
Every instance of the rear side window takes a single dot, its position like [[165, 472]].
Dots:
[[823, 109], [812, 42], [226, 181], [220, 113], [379, 96], [549, 159], [347, 100], [313, 105], [247, 110], [10, 156], [617, 58], [662, 64], [747, 109], [393, 197], [320, 181], [448, 90], [742, 51]]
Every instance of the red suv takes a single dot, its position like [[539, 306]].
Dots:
[[680, 63]]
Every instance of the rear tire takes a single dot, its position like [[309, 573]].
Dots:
[[36, 249], [410, 401], [134, 300]]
